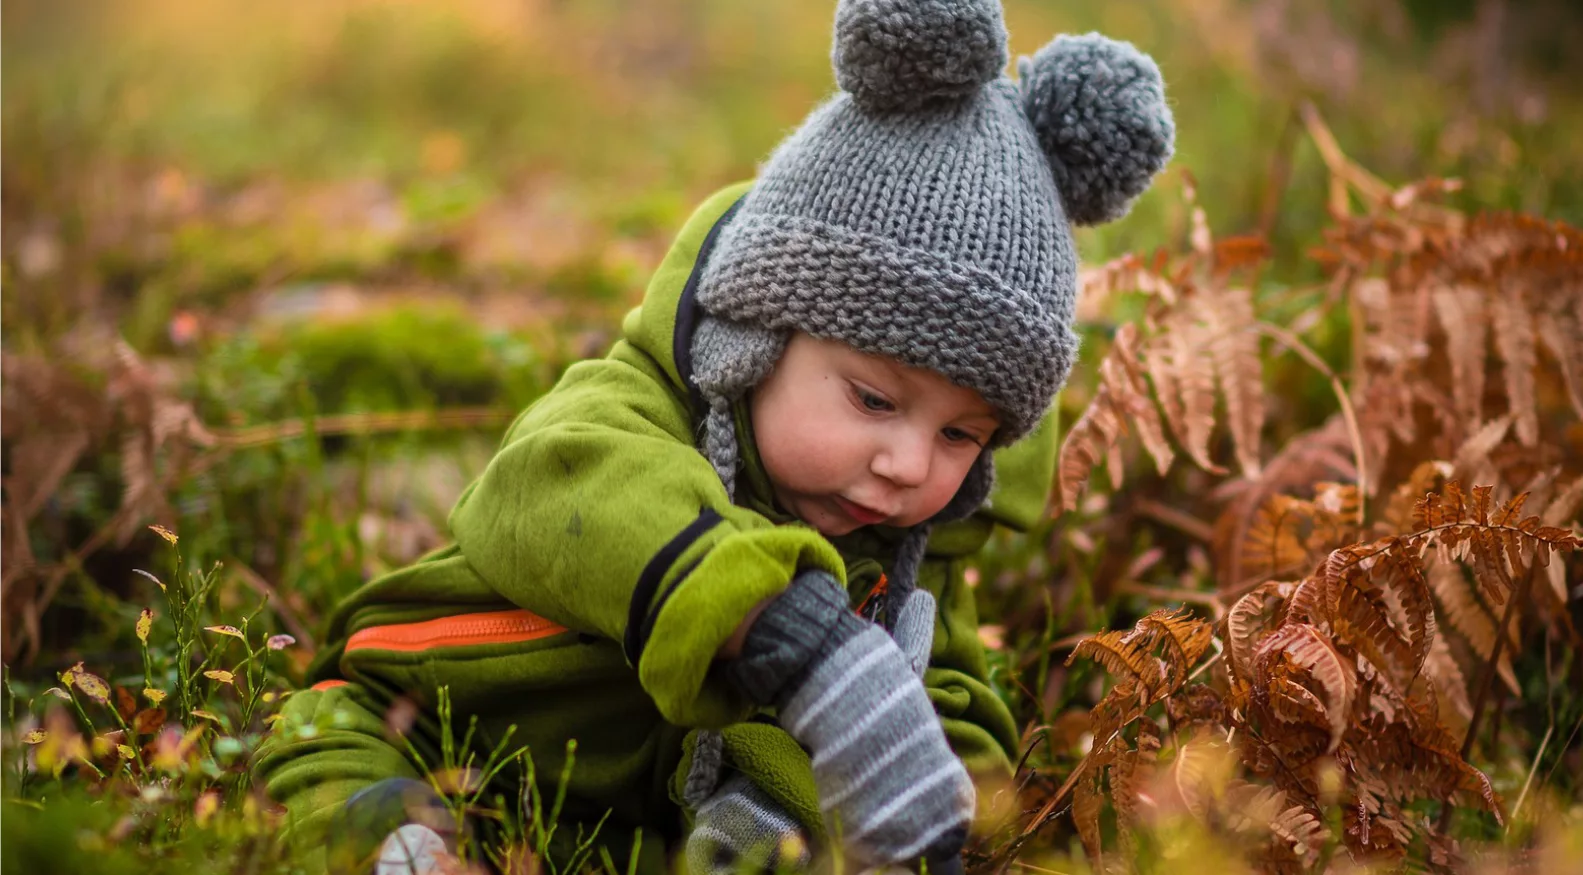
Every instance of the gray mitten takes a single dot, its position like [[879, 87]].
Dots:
[[740, 828], [914, 629], [887, 780]]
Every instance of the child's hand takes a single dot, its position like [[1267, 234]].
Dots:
[[414, 849], [397, 826], [886, 777], [740, 827]]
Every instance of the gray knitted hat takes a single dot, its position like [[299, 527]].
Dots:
[[924, 214]]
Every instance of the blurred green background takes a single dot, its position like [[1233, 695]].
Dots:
[[344, 207]]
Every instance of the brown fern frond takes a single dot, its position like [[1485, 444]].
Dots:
[[1088, 802], [1249, 620], [1304, 646], [1443, 672], [1272, 546], [1185, 638], [1464, 613], [1462, 319], [1564, 507], [1425, 478], [1179, 363], [1402, 583], [1561, 331], [1517, 345], [1315, 456], [1235, 353], [1122, 398], [1361, 621], [1122, 653], [1301, 830]]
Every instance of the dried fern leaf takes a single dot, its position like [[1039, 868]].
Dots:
[[1301, 829], [1441, 668], [1463, 612], [1460, 309], [1185, 638], [1361, 622], [1087, 803], [1561, 331], [1179, 363], [1249, 620], [1516, 342], [1122, 397], [1235, 353], [1308, 648], [1121, 655], [1272, 546], [1564, 507]]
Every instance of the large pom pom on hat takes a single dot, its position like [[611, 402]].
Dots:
[[1098, 108], [897, 55]]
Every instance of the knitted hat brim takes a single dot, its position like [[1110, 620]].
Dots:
[[788, 273]]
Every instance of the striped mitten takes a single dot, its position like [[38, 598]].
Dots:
[[741, 829], [888, 783]]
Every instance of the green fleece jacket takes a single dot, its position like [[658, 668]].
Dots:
[[600, 516]]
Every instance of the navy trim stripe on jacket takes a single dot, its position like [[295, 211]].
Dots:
[[640, 618]]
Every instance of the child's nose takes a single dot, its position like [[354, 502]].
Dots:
[[905, 460]]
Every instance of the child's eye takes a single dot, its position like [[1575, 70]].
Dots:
[[956, 436], [873, 402]]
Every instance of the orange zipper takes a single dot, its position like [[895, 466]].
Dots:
[[878, 590], [493, 627]]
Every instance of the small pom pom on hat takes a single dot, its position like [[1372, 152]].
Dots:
[[896, 55], [1098, 108]]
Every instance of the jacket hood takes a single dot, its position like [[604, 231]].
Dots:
[[662, 326]]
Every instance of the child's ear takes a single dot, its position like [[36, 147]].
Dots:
[[1098, 107]]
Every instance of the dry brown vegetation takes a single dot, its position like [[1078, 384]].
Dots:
[[1366, 599]]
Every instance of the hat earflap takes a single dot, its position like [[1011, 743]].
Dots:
[[897, 55], [729, 358], [1098, 108]]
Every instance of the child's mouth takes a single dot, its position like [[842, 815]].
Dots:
[[864, 516]]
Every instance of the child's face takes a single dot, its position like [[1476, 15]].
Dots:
[[850, 439]]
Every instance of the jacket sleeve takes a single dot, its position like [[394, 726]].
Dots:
[[599, 514]]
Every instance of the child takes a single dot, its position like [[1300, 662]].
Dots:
[[727, 558]]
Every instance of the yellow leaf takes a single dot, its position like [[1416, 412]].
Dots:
[[69, 676], [207, 805], [34, 736], [145, 622], [153, 695], [163, 532], [205, 715], [227, 630], [93, 686], [126, 751], [220, 675]]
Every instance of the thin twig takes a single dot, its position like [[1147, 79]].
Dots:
[[1354, 433], [288, 617], [1528, 782], [360, 424], [1176, 519], [1486, 680]]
